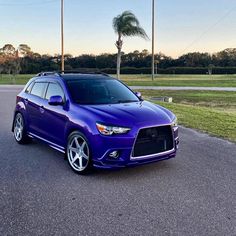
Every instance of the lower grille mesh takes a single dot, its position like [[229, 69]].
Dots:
[[153, 141]]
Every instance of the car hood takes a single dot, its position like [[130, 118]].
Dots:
[[135, 113]]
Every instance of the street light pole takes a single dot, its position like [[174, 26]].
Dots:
[[153, 38], [62, 36]]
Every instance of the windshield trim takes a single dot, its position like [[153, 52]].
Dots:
[[113, 103]]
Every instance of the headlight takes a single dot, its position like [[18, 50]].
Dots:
[[109, 130], [174, 122]]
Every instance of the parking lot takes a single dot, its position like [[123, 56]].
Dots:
[[193, 194]]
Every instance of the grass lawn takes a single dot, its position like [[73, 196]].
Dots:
[[214, 99], [160, 80], [14, 79], [210, 112], [214, 122], [181, 80]]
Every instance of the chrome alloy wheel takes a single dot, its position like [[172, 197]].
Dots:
[[78, 153], [18, 127]]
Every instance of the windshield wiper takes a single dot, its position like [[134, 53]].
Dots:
[[126, 101]]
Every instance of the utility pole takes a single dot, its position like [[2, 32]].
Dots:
[[153, 39], [62, 36]]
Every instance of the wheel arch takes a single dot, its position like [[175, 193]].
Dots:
[[20, 108], [73, 128], [14, 116]]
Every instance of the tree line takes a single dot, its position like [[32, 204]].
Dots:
[[22, 59]]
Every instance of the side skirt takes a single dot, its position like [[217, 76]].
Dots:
[[51, 144]]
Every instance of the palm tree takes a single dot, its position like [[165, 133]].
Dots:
[[126, 25]]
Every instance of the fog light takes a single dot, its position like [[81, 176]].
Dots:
[[114, 154]]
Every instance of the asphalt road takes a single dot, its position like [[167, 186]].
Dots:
[[193, 194]]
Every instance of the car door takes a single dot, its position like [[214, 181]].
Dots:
[[35, 107], [55, 117]]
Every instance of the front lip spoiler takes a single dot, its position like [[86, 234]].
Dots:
[[153, 155], [105, 165]]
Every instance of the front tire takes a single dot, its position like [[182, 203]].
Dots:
[[20, 133], [78, 153]]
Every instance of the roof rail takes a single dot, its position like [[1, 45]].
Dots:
[[48, 73], [82, 72], [60, 73]]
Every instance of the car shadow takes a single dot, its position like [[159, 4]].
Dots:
[[125, 172], [137, 171]]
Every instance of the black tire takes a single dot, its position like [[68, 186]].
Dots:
[[78, 153], [19, 130]]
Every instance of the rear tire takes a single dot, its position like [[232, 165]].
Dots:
[[78, 153], [20, 133]]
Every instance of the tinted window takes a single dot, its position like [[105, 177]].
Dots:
[[54, 90], [28, 89], [38, 89], [100, 91]]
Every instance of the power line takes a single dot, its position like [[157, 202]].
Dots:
[[208, 29]]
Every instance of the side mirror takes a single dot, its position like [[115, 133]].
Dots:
[[138, 94], [55, 101]]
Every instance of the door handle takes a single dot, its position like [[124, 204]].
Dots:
[[41, 109], [26, 101]]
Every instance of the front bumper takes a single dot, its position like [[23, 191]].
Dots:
[[124, 145], [117, 164]]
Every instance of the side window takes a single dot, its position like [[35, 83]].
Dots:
[[28, 89], [38, 89], [54, 90]]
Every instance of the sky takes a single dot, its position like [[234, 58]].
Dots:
[[182, 26]]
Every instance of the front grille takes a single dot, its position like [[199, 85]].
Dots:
[[153, 141]]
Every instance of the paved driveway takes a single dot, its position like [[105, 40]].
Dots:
[[193, 194]]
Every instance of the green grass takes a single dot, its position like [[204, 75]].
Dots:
[[218, 123], [214, 99], [181, 80], [145, 80], [14, 79], [213, 112]]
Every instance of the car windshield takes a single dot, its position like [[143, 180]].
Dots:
[[100, 91]]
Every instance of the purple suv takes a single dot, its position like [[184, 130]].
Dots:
[[95, 120]]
